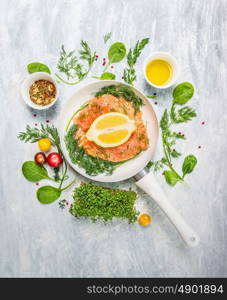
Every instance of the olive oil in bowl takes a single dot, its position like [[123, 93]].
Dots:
[[159, 71]]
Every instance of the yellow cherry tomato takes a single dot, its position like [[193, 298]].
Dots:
[[144, 220], [44, 144]]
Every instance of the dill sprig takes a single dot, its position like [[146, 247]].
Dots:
[[107, 37], [132, 56], [92, 165], [71, 64], [122, 91], [181, 94]]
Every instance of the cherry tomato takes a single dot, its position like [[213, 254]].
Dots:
[[40, 158], [54, 159], [144, 220], [44, 144]]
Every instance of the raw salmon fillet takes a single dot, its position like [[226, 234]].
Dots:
[[104, 104]]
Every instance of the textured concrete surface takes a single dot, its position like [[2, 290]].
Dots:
[[44, 241]]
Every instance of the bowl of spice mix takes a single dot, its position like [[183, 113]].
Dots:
[[39, 90]]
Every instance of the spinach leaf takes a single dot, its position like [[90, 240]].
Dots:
[[171, 177], [116, 52], [107, 76], [37, 67], [189, 164], [34, 172], [48, 194], [183, 92]]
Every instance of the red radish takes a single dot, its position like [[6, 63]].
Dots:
[[40, 158], [54, 159]]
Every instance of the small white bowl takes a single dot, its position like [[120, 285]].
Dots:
[[29, 80], [170, 59]]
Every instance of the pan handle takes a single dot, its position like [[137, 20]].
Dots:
[[150, 185]]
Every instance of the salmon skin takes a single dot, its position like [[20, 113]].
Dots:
[[104, 104]]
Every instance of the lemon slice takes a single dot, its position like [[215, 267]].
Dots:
[[111, 130]]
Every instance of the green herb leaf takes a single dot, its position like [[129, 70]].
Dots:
[[107, 36], [72, 65], [37, 67], [122, 91], [34, 172], [181, 115], [48, 194], [157, 165], [183, 92], [174, 153], [164, 123], [116, 52], [171, 177], [189, 164], [108, 76], [103, 204], [92, 165], [132, 56]]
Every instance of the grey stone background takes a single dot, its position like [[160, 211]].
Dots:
[[43, 241]]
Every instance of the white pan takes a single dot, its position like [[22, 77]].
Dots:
[[135, 167]]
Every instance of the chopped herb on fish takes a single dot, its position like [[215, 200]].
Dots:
[[122, 91], [92, 165]]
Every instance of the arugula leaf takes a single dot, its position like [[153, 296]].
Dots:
[[107, 36], [183, 92], [129, 75], [37, 67]]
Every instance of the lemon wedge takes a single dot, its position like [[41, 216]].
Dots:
[[111, 130]]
